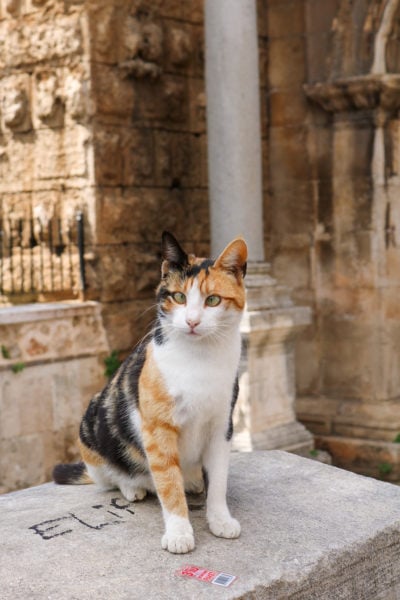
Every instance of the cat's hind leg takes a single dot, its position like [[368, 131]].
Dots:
[[135, 489], [193, 478]]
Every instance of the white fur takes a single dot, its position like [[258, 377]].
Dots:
[[199, 372], [178, 536], [108, 478]]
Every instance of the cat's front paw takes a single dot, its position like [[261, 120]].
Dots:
[[178, 544], [225, 527], [178, 537]]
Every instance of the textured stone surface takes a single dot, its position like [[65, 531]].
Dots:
[[333, 214], [50, 366], [102, 109], [309, 532]]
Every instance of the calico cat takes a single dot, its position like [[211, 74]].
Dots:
[[164, 421]]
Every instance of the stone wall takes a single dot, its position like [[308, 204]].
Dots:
[[103, 110], [334, 210], [46, 159], [50, 366], [149, 148]]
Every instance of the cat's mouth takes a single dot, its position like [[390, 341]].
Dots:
[[193, 332]]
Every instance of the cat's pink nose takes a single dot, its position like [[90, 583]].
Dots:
[[192, 323]]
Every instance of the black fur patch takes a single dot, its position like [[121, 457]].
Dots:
[[106, 427], [158, 335], [172, 252], [194, 270], [205, 479], [67, 474], [235, 394]]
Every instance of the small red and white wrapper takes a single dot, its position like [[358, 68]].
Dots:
[[201, 574]]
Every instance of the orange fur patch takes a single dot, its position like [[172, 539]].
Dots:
[[160, 438], [90, 456]]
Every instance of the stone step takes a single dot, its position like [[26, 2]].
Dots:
[[309, 532]]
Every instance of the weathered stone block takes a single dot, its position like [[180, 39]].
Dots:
[[193, 11], [285, 158], [331, 538], [127, 272], [15, 103], [349, 368], [197, 106], [292, 202], [306, 364], [179, 159], [114, 96], [59, 37], [320, 17], [61, 153], [286, 19], [318, 56], [140, 214], [287, 108], [357, 162], [127, 322], [376, 459], [287, 62], [137, 154], [162, 101], [104, 20], [25, 455], [292, 267], [57, 349]]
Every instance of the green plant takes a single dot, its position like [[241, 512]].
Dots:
[[112, 363], [18, 367], [314, 452], [385, 468], [4, 352], [397, 439]]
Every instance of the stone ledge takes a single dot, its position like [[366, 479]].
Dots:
[[309, 532], [26, 313], [52, 331]]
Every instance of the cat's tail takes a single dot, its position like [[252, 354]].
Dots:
[[72, 474]]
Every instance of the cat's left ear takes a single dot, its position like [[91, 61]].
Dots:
[[234, 258], [174, 256]]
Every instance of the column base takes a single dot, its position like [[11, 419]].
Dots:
[[265, 418]]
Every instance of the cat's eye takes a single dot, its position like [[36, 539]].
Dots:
[[179, 297], [213, 300]]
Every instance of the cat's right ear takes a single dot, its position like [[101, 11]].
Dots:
[[174, 257]]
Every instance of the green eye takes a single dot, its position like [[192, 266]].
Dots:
[[213, 300], [179, 297]]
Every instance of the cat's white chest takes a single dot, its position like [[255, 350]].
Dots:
[[200, 382]]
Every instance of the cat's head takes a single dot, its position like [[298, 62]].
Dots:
[[201, 298]]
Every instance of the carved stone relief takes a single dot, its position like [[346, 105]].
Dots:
[[142, 49], [15, 108], [180, 47], [48, 104]]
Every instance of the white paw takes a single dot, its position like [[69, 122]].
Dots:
[[178, 544], [178, 537], [133, 494], [225, 527]]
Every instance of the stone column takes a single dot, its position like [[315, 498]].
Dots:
[[233, 117], [265, 418]]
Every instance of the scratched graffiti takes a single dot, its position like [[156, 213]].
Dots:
[[96, 520]]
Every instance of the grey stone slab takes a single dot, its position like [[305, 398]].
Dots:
[[309, 532]]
